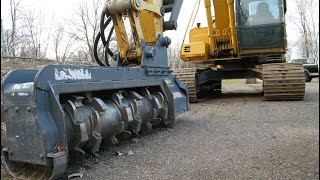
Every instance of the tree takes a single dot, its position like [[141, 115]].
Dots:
[[4, 40], [288, 55], [36, 33], [32, 34], [62, 43], [57, 37], [84, 25], [305, 20], [15, 15], [174, 56]]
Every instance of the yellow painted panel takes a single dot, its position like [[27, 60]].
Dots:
[[123, 42], [221, 14], [151, 23], [198, 35], [198, 51], [148, 26]]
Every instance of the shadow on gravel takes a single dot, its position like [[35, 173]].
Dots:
[[239, 95], [235, 95]]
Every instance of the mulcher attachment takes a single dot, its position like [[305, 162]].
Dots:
[[47, 114]]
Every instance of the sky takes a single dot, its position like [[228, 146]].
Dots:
[[58, 8], [61, 9]]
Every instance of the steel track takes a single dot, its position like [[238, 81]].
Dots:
[[187, 76], [283, 81]]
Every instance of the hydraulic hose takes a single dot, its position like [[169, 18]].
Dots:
[[95, 49], [108, 41], [104, 41], [102, 23]]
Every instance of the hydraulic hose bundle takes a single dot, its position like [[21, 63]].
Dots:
[[106, 43]]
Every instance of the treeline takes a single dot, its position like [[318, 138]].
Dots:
[[34, 34]]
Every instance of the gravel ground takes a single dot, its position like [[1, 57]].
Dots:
[[234, 136]]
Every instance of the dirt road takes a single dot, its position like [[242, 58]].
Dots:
[[235, 136]]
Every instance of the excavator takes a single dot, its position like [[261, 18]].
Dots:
[[243, 39], [60, 112]]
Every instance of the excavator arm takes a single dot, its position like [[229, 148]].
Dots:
[[146, 25]]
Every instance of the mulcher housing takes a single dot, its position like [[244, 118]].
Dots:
[[47, 113]]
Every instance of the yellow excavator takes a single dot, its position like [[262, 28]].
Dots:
[[244, 39]]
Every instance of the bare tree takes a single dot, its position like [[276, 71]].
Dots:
[[57, 37], [32, 33], [36, 34], [61, 49], [4, 42], [67, 48], [174, 56], [15, 16], [84, 24], [48, 34], [305, 20], [288, 56]]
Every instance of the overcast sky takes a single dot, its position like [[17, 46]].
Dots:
[[61, 9]]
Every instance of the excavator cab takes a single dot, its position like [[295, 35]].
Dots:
[[246, 39], [260, 26], [241, 28]]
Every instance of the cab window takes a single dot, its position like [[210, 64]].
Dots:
[[259, 12]]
